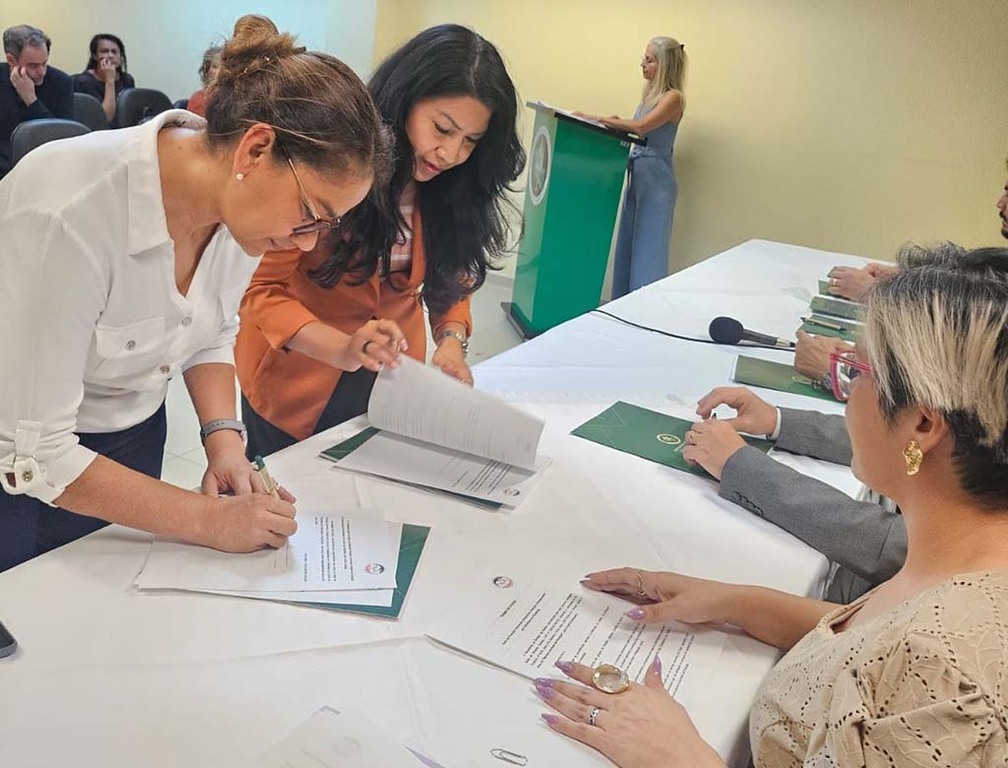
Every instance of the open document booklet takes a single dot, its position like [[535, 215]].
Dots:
[[429, 430]]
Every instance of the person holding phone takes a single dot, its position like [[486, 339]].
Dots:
[[105, 75], [316, 327], [125, 269]]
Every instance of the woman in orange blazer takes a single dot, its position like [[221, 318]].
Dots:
[[316, 327]]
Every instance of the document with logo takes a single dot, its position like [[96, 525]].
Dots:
[[328, 552], [338, 738], [649, 434], [526, 623], [779, 376], [429, 430]]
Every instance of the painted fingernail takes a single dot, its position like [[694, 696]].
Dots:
[[587, 575], [656, 666], [545, 682], [545, 691], [636, 614], [551, 719], [565, 666]]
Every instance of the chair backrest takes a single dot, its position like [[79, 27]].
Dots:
[[34, 133], [135, 105], [180, 104], [88, 110]]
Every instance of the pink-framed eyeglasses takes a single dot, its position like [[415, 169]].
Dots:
[[843, 370]]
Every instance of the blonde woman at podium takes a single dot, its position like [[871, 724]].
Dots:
[[642, 245]]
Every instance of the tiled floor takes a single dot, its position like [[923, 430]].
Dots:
[[185, 462]]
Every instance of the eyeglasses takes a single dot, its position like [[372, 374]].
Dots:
[[318, 223], [844, 369]]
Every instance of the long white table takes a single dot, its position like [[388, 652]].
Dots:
[[108, 676]]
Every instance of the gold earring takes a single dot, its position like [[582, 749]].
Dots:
[[240, 176], [914, 456]]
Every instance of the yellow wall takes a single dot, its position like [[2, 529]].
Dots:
[[849, 125]]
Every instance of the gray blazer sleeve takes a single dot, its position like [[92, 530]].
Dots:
[[860, 536], [819, 435]]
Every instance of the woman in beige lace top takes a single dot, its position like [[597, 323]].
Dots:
[[914, 673]]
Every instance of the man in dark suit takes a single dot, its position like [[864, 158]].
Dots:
[[29, 88]]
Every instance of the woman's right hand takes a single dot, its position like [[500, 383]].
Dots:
[[106, 70], [375, 344], [753, 415], [245, 523], [666, 595]]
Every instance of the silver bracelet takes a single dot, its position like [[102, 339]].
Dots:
[[456, 335]]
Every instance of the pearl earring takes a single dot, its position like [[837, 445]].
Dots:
[[240, 176]]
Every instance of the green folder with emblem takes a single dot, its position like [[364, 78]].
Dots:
[[835, 327], [826, 305], [778, 376], [649, 434]]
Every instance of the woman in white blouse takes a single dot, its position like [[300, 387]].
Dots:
[[912, 673], [125, 254]]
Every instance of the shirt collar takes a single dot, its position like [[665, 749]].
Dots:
[[148, 226]]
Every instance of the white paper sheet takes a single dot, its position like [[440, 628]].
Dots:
[[372, 597], [528, 624], [425, 464], [329, 552], [422, 403], [333, 738]]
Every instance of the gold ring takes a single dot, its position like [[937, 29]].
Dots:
[[640, 584], [610, 679]]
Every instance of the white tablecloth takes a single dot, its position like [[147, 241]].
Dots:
[[108, 676]]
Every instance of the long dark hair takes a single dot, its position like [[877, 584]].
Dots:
[[464, 208], [92, 62]]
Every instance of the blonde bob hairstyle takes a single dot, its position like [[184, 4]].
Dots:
[[936, 335], [671, 57]]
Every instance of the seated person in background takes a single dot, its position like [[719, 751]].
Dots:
[[105, 75], [208, 74], [913, 673], [812, 352], [865, 539], [29, 88]]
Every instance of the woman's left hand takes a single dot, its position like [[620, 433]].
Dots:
[[710, 444], [642, 727], [450, 358]]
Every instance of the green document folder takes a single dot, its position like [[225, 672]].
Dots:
[[836, 307], [846, 332], [411, 545], [648, 434], [824, 288], [778, 376]]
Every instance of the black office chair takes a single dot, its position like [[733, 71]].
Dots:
[[136, 105], [180, 104], [34, 133], [88, 110]]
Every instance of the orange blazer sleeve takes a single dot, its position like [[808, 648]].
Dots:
[[269, 304], [457, 313]]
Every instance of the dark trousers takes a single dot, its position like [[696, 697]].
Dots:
[[348, 400], [29, 527]]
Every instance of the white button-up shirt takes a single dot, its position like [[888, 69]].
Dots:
[[92, 325]]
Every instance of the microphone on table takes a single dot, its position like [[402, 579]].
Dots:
[[728, 330]]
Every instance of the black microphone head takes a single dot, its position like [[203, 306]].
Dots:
[[725, 330]]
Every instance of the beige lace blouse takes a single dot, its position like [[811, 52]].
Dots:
[[924, 685]]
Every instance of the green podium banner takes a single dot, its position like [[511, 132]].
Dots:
[[575, 179]]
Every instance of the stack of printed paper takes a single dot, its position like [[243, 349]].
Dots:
[[352, 561]]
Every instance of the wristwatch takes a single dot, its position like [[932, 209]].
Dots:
[[456, 335], [218, 424]]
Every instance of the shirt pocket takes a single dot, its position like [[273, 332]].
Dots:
[[129, 349]]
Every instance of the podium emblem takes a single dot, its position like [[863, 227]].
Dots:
[[539, 164]]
